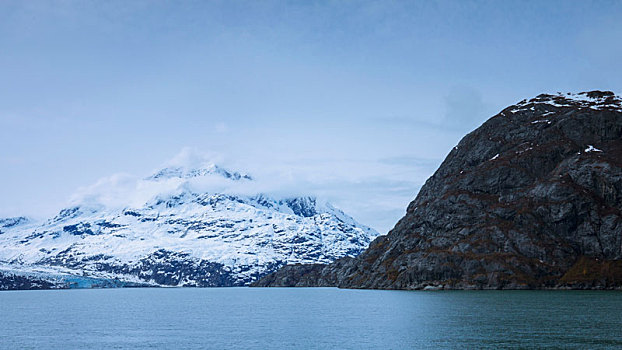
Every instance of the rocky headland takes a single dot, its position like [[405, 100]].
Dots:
[[532, 199]]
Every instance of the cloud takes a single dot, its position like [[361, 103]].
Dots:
[[192, 157], [413, 161], [129, 190], [374, 192], [221, 128], [600, 43], [464, 108], [457, 109]]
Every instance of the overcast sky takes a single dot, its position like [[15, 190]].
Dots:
[[357, 101]]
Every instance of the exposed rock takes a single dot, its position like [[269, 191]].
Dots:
[[10, 281], [195, 228], [531, 199]]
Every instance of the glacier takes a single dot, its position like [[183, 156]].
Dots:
[[197, 225]]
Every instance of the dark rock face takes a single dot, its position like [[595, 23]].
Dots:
[[11, 222], [162, 267], [10, 281], [302, 206], [531, 199]]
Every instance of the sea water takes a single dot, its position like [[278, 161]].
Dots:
[[308, 318]]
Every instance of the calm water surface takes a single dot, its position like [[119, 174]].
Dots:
[[308, 318]]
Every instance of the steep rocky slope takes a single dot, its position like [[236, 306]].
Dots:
[[531, 199], [199, 226]]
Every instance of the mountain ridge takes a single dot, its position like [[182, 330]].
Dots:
[[531, 199], [183, 235]]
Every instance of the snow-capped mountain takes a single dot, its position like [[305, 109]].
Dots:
[[201, 225]]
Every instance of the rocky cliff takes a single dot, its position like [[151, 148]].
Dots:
[[531, 199]]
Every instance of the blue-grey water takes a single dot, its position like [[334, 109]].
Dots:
[[308, 318]]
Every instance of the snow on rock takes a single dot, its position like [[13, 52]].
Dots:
[[183, 235], [591, 148], [595, 100], [12, 222]]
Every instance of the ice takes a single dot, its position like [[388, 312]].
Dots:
[[247, 233]]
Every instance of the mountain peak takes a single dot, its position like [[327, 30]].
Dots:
[[530, 199], [191, 223], [208, 169], [191, 163]]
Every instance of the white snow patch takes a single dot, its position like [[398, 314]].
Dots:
[[581, 100], [541, 121], [591, 148]]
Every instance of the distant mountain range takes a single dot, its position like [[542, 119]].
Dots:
[[531, 199], [192, 230]]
